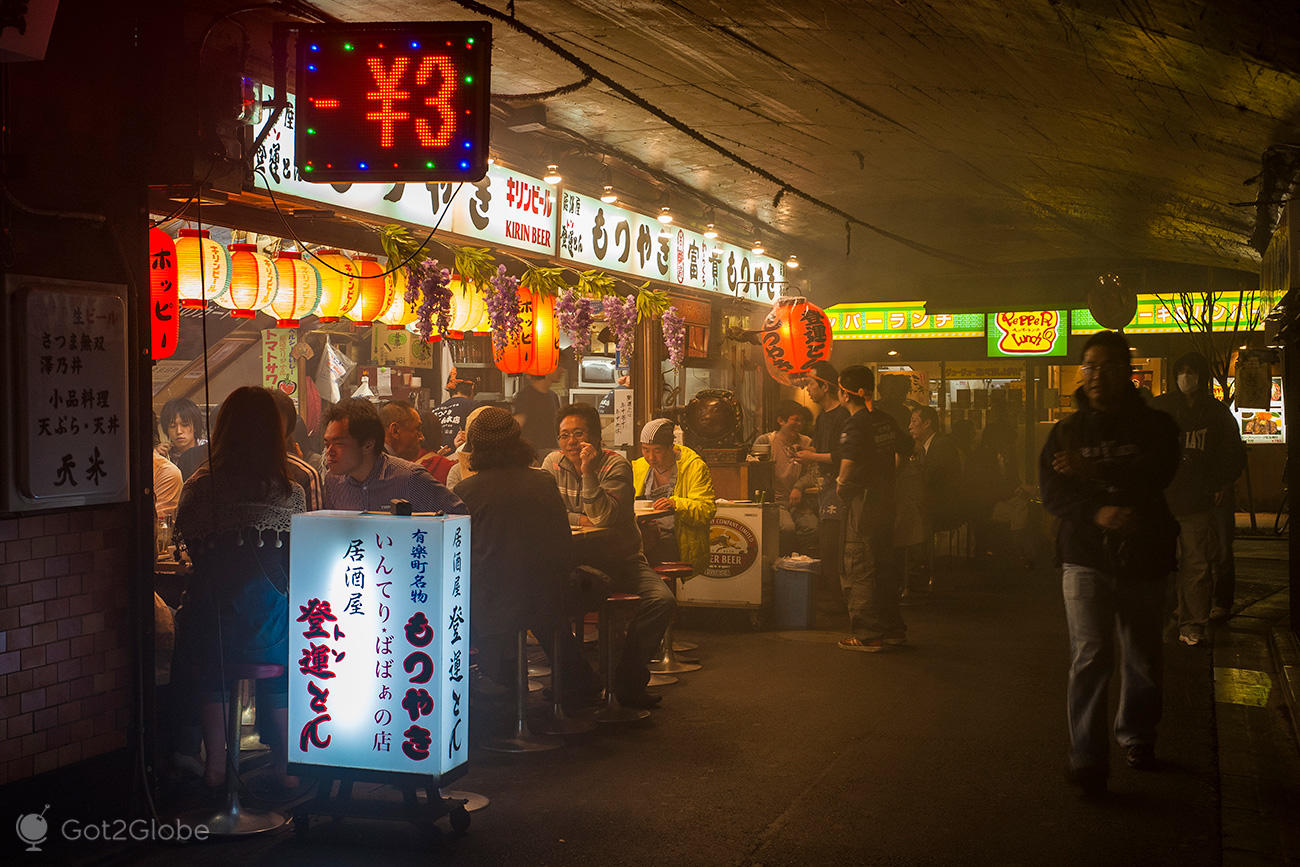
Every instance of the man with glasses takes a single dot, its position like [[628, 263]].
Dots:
[[1103, 473], [596, 484]]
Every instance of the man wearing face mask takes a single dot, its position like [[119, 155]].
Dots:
[[1212, 458]]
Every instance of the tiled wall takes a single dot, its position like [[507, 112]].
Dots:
[[65, 651]]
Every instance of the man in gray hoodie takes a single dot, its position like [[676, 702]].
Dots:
[[1212, 458]]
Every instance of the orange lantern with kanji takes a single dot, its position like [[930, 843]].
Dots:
[[299, 290], [253, 281], [164, 315], [338, 285], [374, 292], [202, 269], [795, 336], [536, 348], [400, 312], [468, 307]]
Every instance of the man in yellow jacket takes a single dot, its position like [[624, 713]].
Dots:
[[674, 477]]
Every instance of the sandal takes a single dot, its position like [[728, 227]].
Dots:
[[856, 644]]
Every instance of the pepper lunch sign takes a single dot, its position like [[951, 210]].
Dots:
[[379, 642], [1027, 334]]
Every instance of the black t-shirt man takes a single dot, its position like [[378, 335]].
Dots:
[[451, 415], [871, 440], [826, 439]]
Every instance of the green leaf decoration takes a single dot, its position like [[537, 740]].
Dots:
[[595, 284], [543, 281], [475, 265], [650, 302]]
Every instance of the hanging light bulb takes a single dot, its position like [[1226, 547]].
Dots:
[[792, 262], [608, 196], [665, 215], [552, 175], [758, 249], [711, 232]]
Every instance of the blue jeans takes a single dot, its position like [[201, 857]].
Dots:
[[1099, 607]]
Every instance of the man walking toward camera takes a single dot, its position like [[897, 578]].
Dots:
[[1103, 472]]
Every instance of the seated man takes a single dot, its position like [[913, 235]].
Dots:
[[596, 485], [674, 477], [362, 477], [791, 476], [404, 438]]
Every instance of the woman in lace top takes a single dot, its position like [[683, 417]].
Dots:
[[234, 518]]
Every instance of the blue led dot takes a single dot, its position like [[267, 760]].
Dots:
[[467, 145], [464, 164], [315, 48], [311, 67], [415, 45], [363, 165]]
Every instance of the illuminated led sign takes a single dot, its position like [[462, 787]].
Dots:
[[900, 319], [393, 101], [1027, 334], [1165, 314]]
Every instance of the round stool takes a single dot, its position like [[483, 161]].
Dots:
[[668, 663], [233, 820], [613, 712], [561, 723], [521, 740]]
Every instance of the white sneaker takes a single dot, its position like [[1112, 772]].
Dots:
[[1189, 640]]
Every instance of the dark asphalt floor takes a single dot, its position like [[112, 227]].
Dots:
[[787, 750]]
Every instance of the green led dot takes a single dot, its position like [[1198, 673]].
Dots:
[[430, 165], [347, 46], [311, 131], [306, 168], [470, 40], [469, 79]]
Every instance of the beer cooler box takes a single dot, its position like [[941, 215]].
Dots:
[[743, 547]]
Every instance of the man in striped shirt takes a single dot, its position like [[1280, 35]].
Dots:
[[299, 470], [596, 485]]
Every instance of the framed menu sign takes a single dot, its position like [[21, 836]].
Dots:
[[70, 409]]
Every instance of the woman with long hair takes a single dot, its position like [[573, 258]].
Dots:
[[234, 518]]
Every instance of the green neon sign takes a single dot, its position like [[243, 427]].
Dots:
[[1029, 334], [902, 319]]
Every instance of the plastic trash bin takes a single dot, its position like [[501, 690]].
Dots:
[[793, 591]]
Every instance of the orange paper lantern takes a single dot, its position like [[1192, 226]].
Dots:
[[536, 348], [164, 316], [253, 281], [299, 291], [795, 336], [338, 285], [374, 291], [202, 269], [399, 313]]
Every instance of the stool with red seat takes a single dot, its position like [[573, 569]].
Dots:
[[521, 739], [622, 605], [560, 723], [668, 663], [233, 820]]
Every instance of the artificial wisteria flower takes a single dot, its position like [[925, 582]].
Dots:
[[674, 327], [428, 284], [620, 313], [573, 314], [503, 309]]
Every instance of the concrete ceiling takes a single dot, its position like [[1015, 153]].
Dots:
[[987, 151]]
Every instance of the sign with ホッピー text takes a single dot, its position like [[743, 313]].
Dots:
[[379, 642], [393, 101]]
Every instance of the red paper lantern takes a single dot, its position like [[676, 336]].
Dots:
[[374, 293], [536, 348], [795, 336], [338, 292], [164, 315]]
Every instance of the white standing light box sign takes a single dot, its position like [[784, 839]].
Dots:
[[379, 643]]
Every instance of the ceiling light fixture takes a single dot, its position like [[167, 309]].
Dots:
[[792, 262], [758, 249], [665, 215], [552, 175], [711, 231], [892, 352], [608, 196]]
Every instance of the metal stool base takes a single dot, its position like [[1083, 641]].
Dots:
[[662, 680], [235, 821], [682, 646], [525, 743], [674, 667], [613, 714], [473, 800], [568, 726]]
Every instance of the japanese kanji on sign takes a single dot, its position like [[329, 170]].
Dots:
[[379, 643]]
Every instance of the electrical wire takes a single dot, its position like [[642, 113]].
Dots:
[[416, 252]]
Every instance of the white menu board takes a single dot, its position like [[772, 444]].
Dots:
[[598, 235], [505, 208], [379, 642], [72, 409]]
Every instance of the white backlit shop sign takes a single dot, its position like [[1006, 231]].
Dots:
[[505, 208], [611, 238], [379, 642]]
